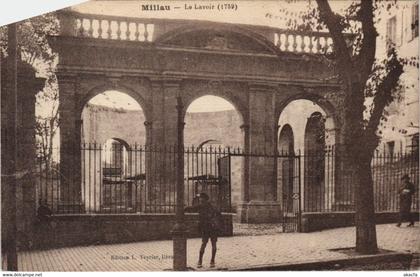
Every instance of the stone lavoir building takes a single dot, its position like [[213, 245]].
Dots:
[[128, 193], [164, 65]]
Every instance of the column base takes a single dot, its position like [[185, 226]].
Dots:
[[259, 212]]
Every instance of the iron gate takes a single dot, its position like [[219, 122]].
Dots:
[[288, 184]]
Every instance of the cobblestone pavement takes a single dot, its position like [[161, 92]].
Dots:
[[237, 251]]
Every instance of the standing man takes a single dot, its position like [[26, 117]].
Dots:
[[406, 192], [209, 225]]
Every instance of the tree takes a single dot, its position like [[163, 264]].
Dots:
[[34, 49], [369, 86]]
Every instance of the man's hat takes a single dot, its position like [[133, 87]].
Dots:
[[405, 177], [204, 196]]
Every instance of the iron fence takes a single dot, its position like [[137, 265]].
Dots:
[[329, 186], [94, 178], [131, 179]]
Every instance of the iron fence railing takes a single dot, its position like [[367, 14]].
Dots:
[[94, 178]]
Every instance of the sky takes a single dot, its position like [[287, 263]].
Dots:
[[267, 13]]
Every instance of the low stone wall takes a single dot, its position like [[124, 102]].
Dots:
[[320, 221], [75, 230]]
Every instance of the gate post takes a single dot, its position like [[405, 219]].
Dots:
[[70, 151], [179, 232]]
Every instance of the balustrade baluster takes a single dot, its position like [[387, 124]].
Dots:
[[276, 39], [303, 44], [127, 32], [100, 28], [286, 44], [90, 30], [81, 29], [137, 34], [329, 44], [118, 29], [294, 44], [109, 31], [318, 45], [311, 45], [146, 33]]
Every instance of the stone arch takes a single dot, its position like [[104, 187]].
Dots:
[[315, 133], [314, 162], [263, 41], [286, 140], [319, 196], [201, 144], [222, 121], [117, 151], [236, 138], [329, 111], [122, 142], [326, 105], [136, 95], [286, 168], [123, 89], [193, 92]]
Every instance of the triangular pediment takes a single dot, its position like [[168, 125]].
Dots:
[[216, 40]]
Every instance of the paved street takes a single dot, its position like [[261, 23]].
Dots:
[[238, 251]]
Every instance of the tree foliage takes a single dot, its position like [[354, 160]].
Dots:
[[370, 83], [34, 49]]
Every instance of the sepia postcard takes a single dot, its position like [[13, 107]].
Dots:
[[142, 136]]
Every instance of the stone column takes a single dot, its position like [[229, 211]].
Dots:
[[26, 191], [330, 164], [278, 189], [70, 139], [26, 166], [259, 203], [158, 113], [160, 160]]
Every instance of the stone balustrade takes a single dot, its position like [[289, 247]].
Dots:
[[303, 42], [106, 27], [147, 30]]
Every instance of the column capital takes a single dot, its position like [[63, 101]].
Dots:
[[66, 78], [179, 104], [148, 123], [244, 127]]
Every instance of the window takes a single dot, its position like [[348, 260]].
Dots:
[[391, 31], [415, 21]]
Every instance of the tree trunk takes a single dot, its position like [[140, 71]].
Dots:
[[365, 209]]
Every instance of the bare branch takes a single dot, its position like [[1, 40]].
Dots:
[[384, 96]]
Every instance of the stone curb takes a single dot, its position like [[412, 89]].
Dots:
[[334, 264]]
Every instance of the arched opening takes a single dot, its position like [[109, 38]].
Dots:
[[314, 162], [286, 143], [212, 130], [286, 168], [113, 114], [313, 132], [113, 162]]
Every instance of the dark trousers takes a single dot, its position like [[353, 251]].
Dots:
[[406, 216]]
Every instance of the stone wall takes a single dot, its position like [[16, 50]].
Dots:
[[101, 123], [72, 230]]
